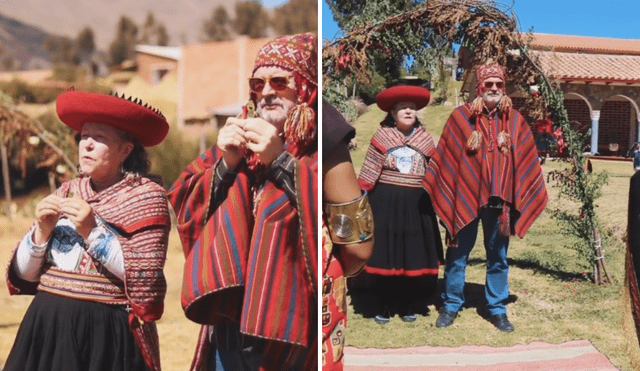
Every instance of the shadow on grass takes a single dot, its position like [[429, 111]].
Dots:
[[536, 267], [366, 300]]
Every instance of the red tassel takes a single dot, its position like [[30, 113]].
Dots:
[[505, 223]]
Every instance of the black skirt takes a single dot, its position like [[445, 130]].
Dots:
[[407, 240], [64, 334]]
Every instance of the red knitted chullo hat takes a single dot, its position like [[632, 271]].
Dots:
[[75, 108], [403, 93], [299, 55]]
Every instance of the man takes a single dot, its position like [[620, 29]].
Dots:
[[485, 168], [247, 218], [350, 226]]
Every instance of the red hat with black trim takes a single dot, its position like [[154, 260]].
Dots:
[[403, 93], [75, 108]]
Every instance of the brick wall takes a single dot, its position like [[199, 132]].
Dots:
[[615, 126], [579, 115]]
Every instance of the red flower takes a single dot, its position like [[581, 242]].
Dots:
[[544, 126]]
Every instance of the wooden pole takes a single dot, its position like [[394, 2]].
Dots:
[[7, 181]]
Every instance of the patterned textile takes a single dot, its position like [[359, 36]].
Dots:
[[460, 182], [292, 53], [253, 258], [487, 71], [334, 309], [136, 209], [378, 158], [298, 54]]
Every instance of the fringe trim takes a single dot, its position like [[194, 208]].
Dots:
[[474, 141], [504, 142]]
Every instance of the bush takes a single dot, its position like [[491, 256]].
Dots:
[[23, 92], [68, 73], [171, 157]]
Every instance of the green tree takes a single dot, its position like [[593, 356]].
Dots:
[[216, 27], [153, 32], [296, 16], [123, 45], [64, 50], [251, 19], [85, 42], [395, 51]]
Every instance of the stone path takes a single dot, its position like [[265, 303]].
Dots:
[[537, 356]]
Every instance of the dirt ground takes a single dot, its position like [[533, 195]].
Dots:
[[177, 334]]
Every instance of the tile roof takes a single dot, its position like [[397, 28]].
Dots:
[[585, 44], [591, 67]]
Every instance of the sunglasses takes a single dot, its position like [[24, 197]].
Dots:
[[489, 84], [277, 83]]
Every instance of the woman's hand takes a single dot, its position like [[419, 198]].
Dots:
[[80, 214], [47, 213]]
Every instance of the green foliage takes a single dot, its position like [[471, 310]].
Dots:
[[23, 92], [85, 41], [576, 185], [296, 16], [251, 19], [169, 158], [216, 27], [153, 31], [123, 45], [333, 95], [396, 50], [67, 73]]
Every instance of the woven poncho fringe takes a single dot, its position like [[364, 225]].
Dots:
[[137, 209], [386, 139], [460, 181], [251, 260]]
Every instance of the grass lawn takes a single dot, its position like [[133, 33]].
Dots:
[[551, 298]]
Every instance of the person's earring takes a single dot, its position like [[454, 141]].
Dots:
[[79, 170], [122, 172]]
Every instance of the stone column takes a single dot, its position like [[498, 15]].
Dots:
[[595, 123]]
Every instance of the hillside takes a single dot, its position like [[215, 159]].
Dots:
[[69, 17], [23, 42]]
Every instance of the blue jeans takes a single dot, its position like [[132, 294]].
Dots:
[[497, 282]]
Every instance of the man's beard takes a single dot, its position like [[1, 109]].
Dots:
[[276, 117]]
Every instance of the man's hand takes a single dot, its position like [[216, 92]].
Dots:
[[80, 214], [47, 214], [263, 139], [232, 142]]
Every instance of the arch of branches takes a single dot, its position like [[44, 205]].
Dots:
[[489, 30], [16, 131]]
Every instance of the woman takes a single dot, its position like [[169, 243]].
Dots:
[[95, 254], [407, 245]]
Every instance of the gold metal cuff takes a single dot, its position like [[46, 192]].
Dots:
[[350, 222]]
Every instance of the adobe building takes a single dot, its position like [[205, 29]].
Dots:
[[600, 79], [212, 78]]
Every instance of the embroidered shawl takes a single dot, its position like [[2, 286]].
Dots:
[[461, 182], [137, 210], [253, 258], [385, 139]]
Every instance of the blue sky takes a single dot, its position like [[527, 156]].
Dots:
[[617, 19]]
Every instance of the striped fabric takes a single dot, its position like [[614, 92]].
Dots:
[[252, 259], [384, 140], [460, 182], [136, 210]]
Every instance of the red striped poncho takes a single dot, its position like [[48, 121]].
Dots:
[[461, 182], [250, 260]]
